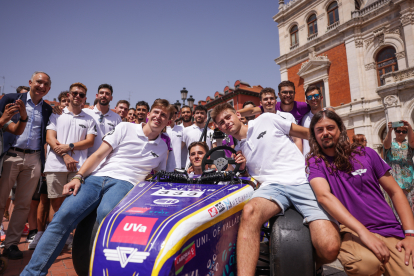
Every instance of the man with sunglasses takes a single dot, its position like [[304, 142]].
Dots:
[[175, 132], [314, 99], [398, 153], [69, 136]]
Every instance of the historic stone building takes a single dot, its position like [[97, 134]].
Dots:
[[360, 52]]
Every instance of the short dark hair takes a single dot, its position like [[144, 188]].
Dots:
[[310, 88], [122, 102], [286, 83], [200, 107], [105, 85], [176, 108], [63, 94], [20, 88], [144, 103], [267, 90], [164, 104], [249, 102], [186, 106]]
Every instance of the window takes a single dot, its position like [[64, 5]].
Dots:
[[294, 36], [357, 5], [386, 62], [333, 15], [216, 97], [231, 102], [312, 25]]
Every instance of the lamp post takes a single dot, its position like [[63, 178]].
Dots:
[[184, 93], [178, 104], [190, 102]]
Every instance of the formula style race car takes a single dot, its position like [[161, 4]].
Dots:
[[175, 224]]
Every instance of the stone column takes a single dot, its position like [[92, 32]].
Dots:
[[354, 74], [406, 21], [392, 108], [327, 96], [281, 4]]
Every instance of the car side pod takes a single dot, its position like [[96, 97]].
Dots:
[[83, 243], [291, 250]]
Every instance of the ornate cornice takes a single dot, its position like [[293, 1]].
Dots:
[[370, 66], [359, 43], [390, 100], [406, 19], [400, 55]]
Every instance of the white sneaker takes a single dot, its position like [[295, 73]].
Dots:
[[69, 241], [33, 244]]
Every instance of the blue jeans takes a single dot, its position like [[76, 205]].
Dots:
[[97, 191]]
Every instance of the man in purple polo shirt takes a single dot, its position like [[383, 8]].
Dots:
[[287, 103], [346, 181]]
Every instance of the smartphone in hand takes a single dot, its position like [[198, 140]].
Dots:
[[397, 124]]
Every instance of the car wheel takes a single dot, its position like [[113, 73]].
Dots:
[[291, 250], [83, 243]]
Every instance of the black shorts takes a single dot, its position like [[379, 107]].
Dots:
[[40, 189]]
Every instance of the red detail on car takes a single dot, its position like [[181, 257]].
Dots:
[[213, 211], [134, 230]]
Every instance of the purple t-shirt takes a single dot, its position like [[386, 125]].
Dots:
[[298, 111], [360, 191], [167, 140], [228, 141]]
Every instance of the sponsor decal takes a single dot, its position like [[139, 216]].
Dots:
[[176, 193], [213, 211], [166, 201], [125, 255], [220, 207], [227, 203], [359, 172], [159, 212], [138, 210], [134, 230], [186, 255], [261, 135]]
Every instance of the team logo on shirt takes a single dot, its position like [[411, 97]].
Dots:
[[359, 172], [82, 126], [112, 125], [109, 133], [95, 128], [261, 135], [154, 154], [178, 135]]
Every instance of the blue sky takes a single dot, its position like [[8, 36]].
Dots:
[[144, 49]]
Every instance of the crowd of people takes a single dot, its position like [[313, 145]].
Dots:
[[59, 164]]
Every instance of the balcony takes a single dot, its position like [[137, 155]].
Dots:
[[368, 9], [294, 46], [398, 76], [312, 37], [332, 26]]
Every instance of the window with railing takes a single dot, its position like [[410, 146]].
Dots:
[[294, 39], [357, 5], [333, 15], [386, 63], [312, 25]]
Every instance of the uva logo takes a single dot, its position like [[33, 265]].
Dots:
[[135, 230], [82, 126], [261, 135], [359, 172], [134, 227]]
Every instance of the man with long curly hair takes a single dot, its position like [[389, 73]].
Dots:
[[346, 180]]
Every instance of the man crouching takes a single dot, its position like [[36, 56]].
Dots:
[[274, 160], [131, 152]]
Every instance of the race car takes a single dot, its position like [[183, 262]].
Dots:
[[176, 224]]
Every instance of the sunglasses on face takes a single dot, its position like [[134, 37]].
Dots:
[[284, 93], [81, 95], [316, 96], [401, 131]]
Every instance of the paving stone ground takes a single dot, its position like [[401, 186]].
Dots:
[[63, 266]]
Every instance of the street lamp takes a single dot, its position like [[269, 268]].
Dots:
[[190, 102], [184, 93], [178, 104]]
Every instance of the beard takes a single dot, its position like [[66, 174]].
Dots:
[[102, 103], [186, 120], [329, 145]]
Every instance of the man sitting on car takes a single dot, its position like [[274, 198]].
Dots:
[[275, 161], [105, 186]]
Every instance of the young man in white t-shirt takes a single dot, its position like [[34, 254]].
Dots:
[[175, 132], [131, 152], [193, 132], [68, 136], [275, 161], [314, 97]]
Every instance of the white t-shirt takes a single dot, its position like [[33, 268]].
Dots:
[[193, 134], [272, 156], [133, 155], [176, 136], [184, 151], [306, 123], [69, 128], [104, 125]]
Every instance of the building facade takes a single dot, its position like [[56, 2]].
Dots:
[[361, 54]]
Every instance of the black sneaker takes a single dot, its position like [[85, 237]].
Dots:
[[31, 235], [13, 252], [2, 244]]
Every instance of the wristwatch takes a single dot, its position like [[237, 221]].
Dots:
[[71, 146], [24, 121]]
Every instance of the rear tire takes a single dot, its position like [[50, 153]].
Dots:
[[291, 250], [83, 243]]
